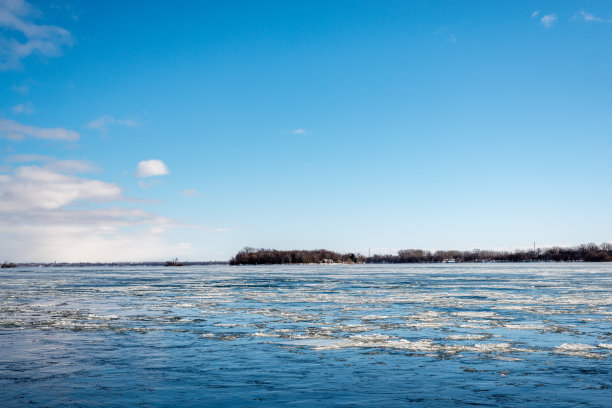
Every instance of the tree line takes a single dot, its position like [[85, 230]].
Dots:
[[252, 256], [582, 253]]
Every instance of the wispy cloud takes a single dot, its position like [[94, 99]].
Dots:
[[299, 131], [150, 168], [28, 158], [148, 184], [71, 166], [28, 37], [26, 108], [22, 89], [586, 17], [535, 13], [548, 20], [104, 121], [9, 129], [53, 164], [190, 192]]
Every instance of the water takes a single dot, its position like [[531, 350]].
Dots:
[[358, 336]]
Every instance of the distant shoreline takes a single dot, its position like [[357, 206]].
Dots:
[[251, 256], [582, 253], [224, 263], [89, 264]]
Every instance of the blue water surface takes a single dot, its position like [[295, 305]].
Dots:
[[326, 335]]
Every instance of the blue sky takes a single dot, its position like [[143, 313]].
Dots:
[[148, 130]]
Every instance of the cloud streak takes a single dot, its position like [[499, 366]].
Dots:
[[299, 131], [28, 37], [28, 158], [103, 122], [26, 108], [190, 192], [587, 17], [51, 163], [9, 129]]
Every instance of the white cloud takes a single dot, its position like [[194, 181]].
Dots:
[[548, 20], [35, 188], [103, 122], [47, 214], [153, 167], [587, 17], [28, 37], [10, 129], [535, 14], [298, 132], [26, 108]]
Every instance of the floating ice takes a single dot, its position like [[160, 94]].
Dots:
[[523, 326], [483, 336], [475, 314], [574, 347], [262, 334]]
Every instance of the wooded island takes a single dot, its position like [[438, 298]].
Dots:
[[252, 256]]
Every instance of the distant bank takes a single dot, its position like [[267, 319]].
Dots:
[[101, 264], [251, 256], [581, 253]]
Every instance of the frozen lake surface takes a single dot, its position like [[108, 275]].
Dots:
[[358, 336]]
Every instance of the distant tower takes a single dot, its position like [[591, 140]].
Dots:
[[533, 246]]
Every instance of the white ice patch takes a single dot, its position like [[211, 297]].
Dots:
[[473, 326], [524, 326], [376, 317], [469, 336], [262, 334], [605, 345], [230, 325], [491, 347], [479, 315], [574, 347], [370, 337], [352, 328], [577, 350], [94, 316], [427, 325]]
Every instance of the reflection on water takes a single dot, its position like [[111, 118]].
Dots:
[[419, 335]]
